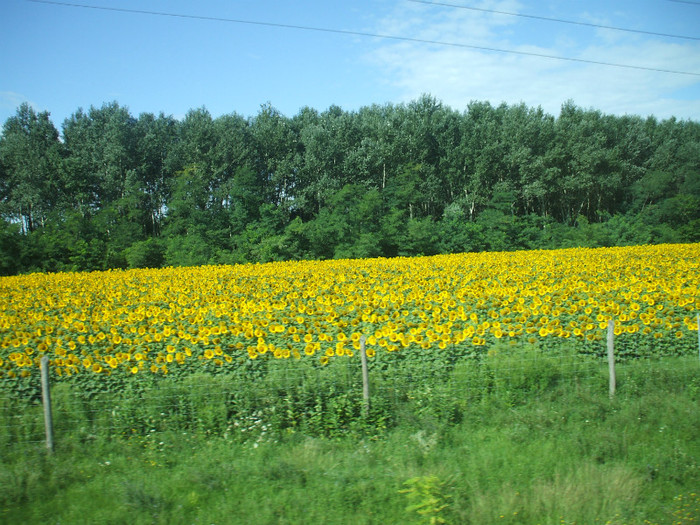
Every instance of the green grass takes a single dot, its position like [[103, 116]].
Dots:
[[550, 449]]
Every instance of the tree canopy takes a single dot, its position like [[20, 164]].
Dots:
[[116, 191]]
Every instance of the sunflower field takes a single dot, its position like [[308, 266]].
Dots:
[[486, 368], [132, 323]]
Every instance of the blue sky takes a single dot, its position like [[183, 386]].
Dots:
[[61, 58]]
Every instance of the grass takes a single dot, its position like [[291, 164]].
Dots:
[[521, 451]]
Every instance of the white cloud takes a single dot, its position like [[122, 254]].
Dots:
[[457, 75]]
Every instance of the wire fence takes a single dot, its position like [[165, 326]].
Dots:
[[259, 399]]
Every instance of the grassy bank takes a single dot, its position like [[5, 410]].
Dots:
[[521, 451]]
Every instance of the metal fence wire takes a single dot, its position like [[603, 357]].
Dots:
[[259, 400]]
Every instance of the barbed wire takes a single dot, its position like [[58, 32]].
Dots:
[[174, 404]]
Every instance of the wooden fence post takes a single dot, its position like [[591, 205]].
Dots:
[[365, 377], [611, 356], [46, 401]]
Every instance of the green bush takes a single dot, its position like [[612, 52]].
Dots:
[[145, 254]]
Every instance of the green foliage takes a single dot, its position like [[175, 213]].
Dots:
[[10, 248], [30, 169], [687, 508], [187, 250], [393, 180], [170, 452], [145, 254], [427, 497], [515, 372]]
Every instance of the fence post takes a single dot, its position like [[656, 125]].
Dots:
[[611, 355], [46, 401], [365, 377]]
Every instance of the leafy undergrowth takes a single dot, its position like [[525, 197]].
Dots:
[[566, 454]]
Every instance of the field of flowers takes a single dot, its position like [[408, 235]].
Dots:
[[166, 321]]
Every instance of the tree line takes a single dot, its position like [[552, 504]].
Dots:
[[116, 191]]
